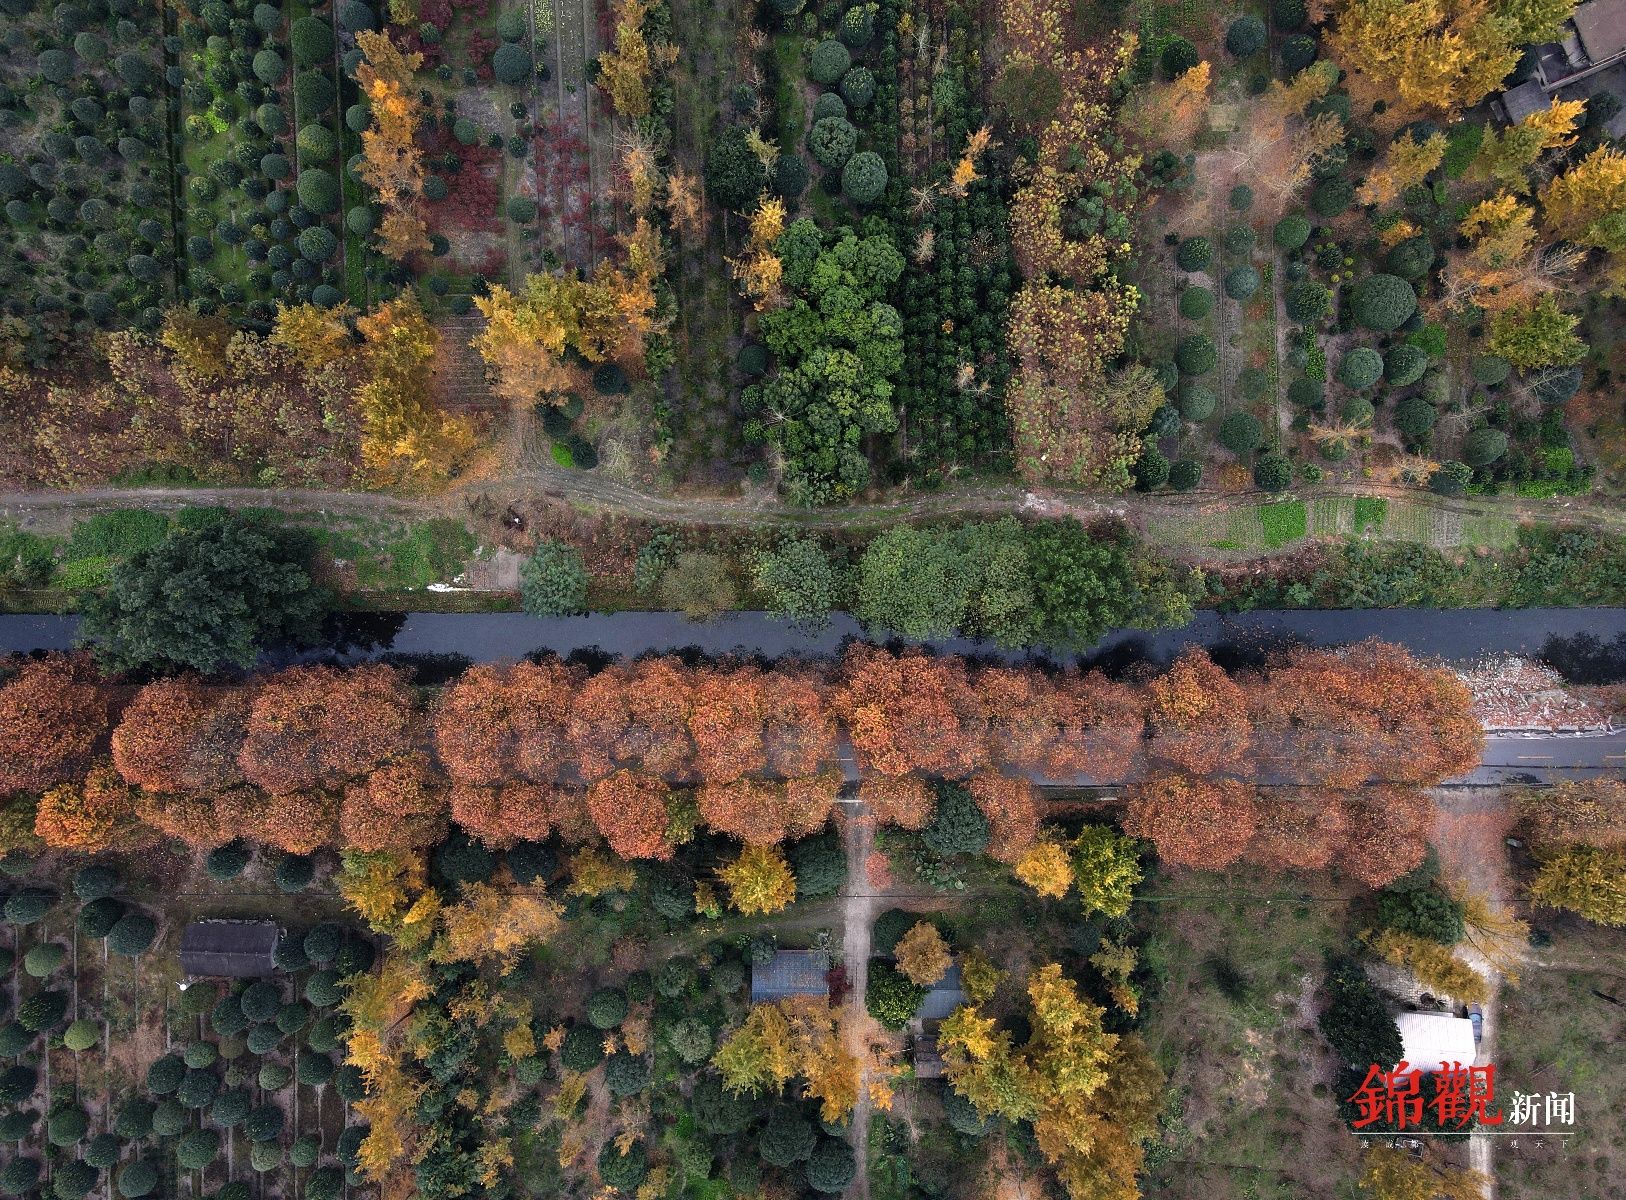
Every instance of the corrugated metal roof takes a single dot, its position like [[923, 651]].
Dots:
[[1428, 1041], [791, 973], [230, 949]]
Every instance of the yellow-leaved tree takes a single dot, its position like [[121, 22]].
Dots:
[[1587, 204], [405, 436], [1092, 1097], [1406, 163], [391, 162], [314, 335], [1434, 58], [1507, 156], [759, 880], [923, 957]]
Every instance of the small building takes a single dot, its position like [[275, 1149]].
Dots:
[[943, 997], [927, 1057], [1430, 1040], [229, 949], [791, 973]]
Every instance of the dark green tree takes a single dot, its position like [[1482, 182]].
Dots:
[[207, 598]]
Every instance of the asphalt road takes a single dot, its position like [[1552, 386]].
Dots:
[[1515, 759]]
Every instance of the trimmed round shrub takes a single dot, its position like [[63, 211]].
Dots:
[[1483, 447], [324, 1034], [1488, 369], [626, 1074], [67, 1126], [832, 1166], [231, 1108], [1332, 197], [832, 141], [607, 1008], [1196, 303], [1298, 52], [355, 955], [29, 905], [1382, 302], [857, 25], [1196, 354], [1151, 469], [511, 64], [1357, 410], [1197, 401], [829, 104], [82, 1035], [317, 243], [133, 935], [322, 989], [521, 210], [44, 959], [461, 859], [198, 1089], [1194, 254], [260, 1001], [293, 1017], [317, 142], [1185, 474], [17, 1084], [1404, 365], [1239, 240], [1308, 302], [14, 1039], [314, 1070], [278, 167], [325, 1183], [1241, 198], [1291, 232], [582, 1049], [95, 881], [322, 944], [313, 93], [465, 131], [264, 1124], [318, 191], [265, 1156], [271, 119], [1178, 57], [623, 1172], [43, 1011], [227, 1019], [166, 1074], [1411, 258], [312, 41], [359, 221], [786, 1139], [356, 17], [305, 1151], [263, 1039], [1240, 433], [1360, 367], [19, 1175], [269, 67], [295, 872], [136, 1179], [1241, 283], [199, 1055], [103, 1150], [73, 1179], [197, 1149], [858, 86], [1415, 417], [829, 62], [134, 1121], [1244, 36], [863, 179], [230, 860], [1273, 472]]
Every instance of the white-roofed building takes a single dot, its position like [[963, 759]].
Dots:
[[1429, 1041]]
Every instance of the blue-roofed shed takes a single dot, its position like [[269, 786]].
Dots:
[[943, 997], [791, 973]]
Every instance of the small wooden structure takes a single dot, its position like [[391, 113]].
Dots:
[[927, 1057], [229, 949]]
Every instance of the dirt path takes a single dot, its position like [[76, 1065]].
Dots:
[[858, 899], [1469, 830], [593, 491]]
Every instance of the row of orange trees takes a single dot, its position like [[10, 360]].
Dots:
[[638, 753]]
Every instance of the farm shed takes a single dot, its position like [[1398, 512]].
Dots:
[[791, 973], [230, 949], [1428, 1040]]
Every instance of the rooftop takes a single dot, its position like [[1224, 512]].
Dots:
[[230, 949], [791, 973], [943, 997], [1431, 1040], [1601, 25]]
